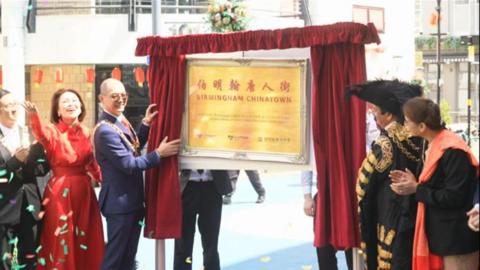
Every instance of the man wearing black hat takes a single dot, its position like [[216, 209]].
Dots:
[[387, 220], [20, 207]]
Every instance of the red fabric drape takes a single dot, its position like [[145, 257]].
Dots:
[[162, 188], [258, 40], [344, 120], [339, 141]]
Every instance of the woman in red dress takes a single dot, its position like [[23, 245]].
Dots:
[[72, 234]]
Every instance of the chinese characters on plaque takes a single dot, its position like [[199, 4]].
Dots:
[[256, 109]]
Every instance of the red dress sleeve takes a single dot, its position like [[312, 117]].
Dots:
[[93, 169], [92, 166], [42, 133]]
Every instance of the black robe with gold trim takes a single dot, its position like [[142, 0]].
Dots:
[[387, 220]]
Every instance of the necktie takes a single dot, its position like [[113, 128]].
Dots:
[[127, 125]]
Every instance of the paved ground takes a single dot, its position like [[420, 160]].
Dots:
[[275, 235]]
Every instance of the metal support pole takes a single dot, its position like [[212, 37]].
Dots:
[[439, 40], [159, 244], [469, 101], [160, 254]]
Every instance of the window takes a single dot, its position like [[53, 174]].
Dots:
[[184, 6], [375, 15], [138, 99], [462, 86], [122, 6], [431, 80]]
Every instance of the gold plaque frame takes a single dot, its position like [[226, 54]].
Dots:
[[301, 107]]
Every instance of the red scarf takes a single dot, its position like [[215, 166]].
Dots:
[[422, 258]]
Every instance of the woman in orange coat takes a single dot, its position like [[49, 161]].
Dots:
[[444, 193], [72, 235]]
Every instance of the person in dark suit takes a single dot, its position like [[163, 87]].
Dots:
[[117, 150], [20, 204], [202, 192], [444, 192], [254, 179]]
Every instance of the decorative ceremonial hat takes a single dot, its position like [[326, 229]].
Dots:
[[388, 95]]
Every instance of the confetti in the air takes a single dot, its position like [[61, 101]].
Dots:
[[30, 208], [42, 261], [6, 256], [13, 241], [45, 201], [30, 256], [65, 192], [265, 259]]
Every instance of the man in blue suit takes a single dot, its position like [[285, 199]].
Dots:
[[117, 150]]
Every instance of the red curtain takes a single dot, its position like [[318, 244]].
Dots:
[[338, 127], [337, 60], [258, 40], [162, 188]]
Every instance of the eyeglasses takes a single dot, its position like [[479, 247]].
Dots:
[[10, 105], [119, 96]]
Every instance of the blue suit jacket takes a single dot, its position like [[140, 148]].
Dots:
[[122, 172]]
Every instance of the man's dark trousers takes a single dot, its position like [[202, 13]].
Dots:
[[202, 199]]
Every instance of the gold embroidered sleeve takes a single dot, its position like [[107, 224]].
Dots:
[[383, 152]]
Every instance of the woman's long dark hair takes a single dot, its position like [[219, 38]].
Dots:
[[54, 117]]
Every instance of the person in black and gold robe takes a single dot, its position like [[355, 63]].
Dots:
[[20, 204], [387, 220]]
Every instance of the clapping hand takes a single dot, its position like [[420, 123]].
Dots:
[[149, 114], [473, 218], [403, 182], [21, 154]]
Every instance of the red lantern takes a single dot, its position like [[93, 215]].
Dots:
[[434, 18], [117, 74], [139, 76], [37, 77], [90, 76], [59, 75], [1, 78]]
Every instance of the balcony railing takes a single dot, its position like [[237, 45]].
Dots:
[[67, 7]]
